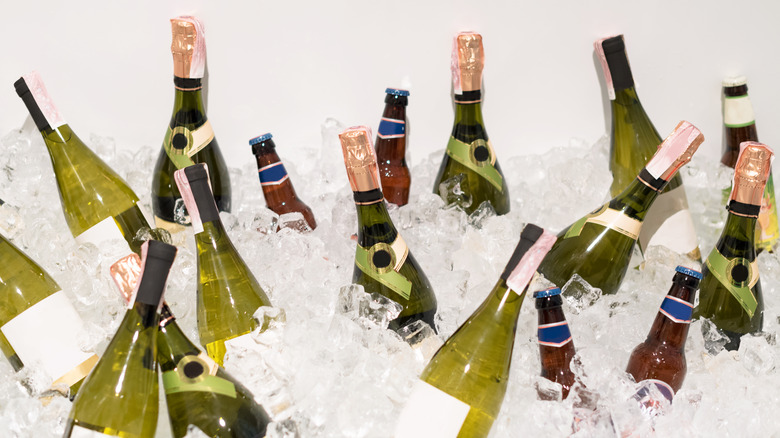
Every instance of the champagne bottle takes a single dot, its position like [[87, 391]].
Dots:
[[228, 293], [119, 397], [391, 148], [470, 160], [731, 289], [461, 390], [189, 138], [383, 262], [556, 348], [278, 190], [633, 142], [598, 246], [739, 124]]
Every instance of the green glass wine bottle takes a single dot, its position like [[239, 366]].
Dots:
[[189, 138], [228, 293], [460, 392], [383, 262], [633, 142], [470, 161], [730, 293], [119, 397], [599, 245]]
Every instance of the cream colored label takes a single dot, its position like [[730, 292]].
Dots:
[[617, 221], [738, 111], [669, 223], [244, 341], [171, 227], [103, 231], [83, 432], [431, 412]]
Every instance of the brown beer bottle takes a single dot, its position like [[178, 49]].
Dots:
[[556, 348], [391, 148], [279, 193]]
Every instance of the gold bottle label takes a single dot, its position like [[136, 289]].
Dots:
[[607, 217], [383, 263], [197, 373], [181, 144], [738, 275], [479, 157]]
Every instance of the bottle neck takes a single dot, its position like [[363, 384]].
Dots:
[[172, 344], [206, 208], [738, 122], [619, 68], [468, 113], [636, 199], [391, 138], [502, 305], [188, 106], [274, 180], [738, 236], [627, 97], [141, 316], [374, 223], [665, 330]]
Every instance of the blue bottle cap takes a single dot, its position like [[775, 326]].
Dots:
[[689, 272], [551, 292], [260, 139], [397, 92]]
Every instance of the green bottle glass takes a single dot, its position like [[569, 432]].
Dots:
[[189, 138], [383, 262], [470, 161], [599, 245], [730, 293], [633, 142], [119, 397], [228, 293], [460, 392]]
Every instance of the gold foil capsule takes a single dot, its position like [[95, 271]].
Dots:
[[751, 172], [359, 159], [468, 60], [188, 47]]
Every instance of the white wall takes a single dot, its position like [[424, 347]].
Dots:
[[284, 66]]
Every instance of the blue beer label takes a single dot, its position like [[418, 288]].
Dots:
[[556, 334], [676, 309], [273, 174], [392, 128]]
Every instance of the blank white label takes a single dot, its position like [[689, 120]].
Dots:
[[669, 223], [83, 432], [103, 231], [738, 112], [431, 412]]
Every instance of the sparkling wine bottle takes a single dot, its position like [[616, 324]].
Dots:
[[461, 390], [391, 148], [189, 138], [228, 293], [278, 190], [383, 262], [469, 173], [731, 290], [119, 397], [556, 348], [633, 142], [598, 246]]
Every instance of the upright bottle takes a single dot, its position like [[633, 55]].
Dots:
[[470, 161], [383, 262], [598, 246], [556, 348], [228, 293], [633, 142], [739, 125], [731, 291], [391, 148], [278, 190], [189, 138], [119, 397], [460, 392]]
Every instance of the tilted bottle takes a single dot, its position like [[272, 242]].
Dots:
[[461, 390], [731, 289], [228, 293], [391, 148], [598, 246], [633, 142], [119, 397], [739, 125], [556, 348], [278, 190], [189, 138], [383, 262], [470, 160]]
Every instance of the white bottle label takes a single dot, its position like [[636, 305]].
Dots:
[[738, 111], [103, 231], [244, 342], [431, 412], [669, 223], [83, 432]]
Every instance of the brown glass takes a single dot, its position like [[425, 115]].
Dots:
[[555, 360], [732, 137], [391, 155]]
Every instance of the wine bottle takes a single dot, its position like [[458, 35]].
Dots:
[[598, 246], [633, 142], [391, 148], [278, 190], [556, 348], [228, 293], [731, 289], [470, 161], [119, 397], [739, 124], [189, 138], [383, 262], [461, 390]]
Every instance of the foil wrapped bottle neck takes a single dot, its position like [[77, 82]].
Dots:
[[675, 151], [188, 47], [751, 174], [359, 159], [468, 61]]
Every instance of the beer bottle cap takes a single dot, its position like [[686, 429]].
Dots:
[[261, 138], [551, 292], [689, 272], [734, 81], [397, 92]]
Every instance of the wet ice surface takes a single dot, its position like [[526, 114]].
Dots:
[[325, 366]]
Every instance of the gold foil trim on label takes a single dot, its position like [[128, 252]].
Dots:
[[468, 61], [751, 172], [359, 159], [78, 373], [188, 47]]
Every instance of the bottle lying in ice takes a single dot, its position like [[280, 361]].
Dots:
[[383, 262], [731, 290], [633, 142], [461, 390], [391, 148], [556, 348], [228, 293], [280, 196], [598, 246], [198, 392], [469, 173], [189, 138], [119, 397]]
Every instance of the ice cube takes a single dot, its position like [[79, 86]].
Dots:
[[580, 294], [452, 193]]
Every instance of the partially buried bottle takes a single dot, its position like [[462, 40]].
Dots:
[[460, 392], [599, 245], [228, 293], [556, 348], [731, 289], [391, 148], [469, 173], [383, 262], [189, 138]]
